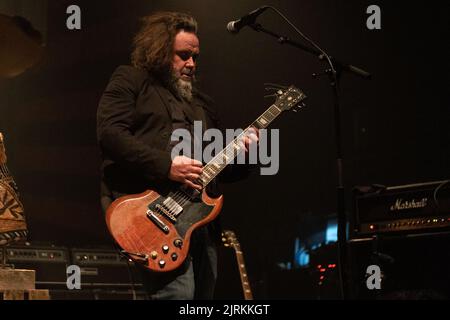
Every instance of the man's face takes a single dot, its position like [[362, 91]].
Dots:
[[186, 50]]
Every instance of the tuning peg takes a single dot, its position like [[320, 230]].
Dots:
[[274, 85], [278, 90], [297, 108]]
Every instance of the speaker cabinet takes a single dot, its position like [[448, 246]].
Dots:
[[412, 266]]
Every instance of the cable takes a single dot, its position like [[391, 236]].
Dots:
[[436, 191], [308, 40], [130, 273]]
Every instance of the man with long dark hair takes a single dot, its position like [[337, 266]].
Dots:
[[142, 105]]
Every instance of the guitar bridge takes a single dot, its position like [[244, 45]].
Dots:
[[158, 222], [169, 209]]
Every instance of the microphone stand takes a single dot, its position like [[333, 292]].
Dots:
[[334, 73]]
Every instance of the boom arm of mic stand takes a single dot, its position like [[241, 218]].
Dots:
[[336, 63]]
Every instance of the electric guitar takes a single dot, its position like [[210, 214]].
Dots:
[[230, 240], [155, 229]]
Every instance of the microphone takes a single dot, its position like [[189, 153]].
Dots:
[[235, 26]]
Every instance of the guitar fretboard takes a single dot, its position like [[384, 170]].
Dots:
[[243, 273], [232, 150]]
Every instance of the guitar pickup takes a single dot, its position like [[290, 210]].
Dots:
[[175, 208], [158, 222]]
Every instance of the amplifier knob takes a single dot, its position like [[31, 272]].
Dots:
[[174, 256], [162, 263], [154, 255], [165, 249]]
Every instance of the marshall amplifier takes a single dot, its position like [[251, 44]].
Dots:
[[407, 208]]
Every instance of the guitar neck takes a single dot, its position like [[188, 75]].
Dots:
[[243, 273], [232, 150]]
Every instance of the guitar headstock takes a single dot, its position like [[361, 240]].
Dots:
[[290, 98], [229, 239]]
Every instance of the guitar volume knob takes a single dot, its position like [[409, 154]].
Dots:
[[178, 243]]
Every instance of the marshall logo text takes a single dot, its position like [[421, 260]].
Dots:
[[400, 204]]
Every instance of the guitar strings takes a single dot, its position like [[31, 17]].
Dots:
[[181, 198]]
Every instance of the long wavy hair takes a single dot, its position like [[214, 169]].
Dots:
[[153, 44]]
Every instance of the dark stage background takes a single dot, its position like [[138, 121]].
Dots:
[[395, 126]]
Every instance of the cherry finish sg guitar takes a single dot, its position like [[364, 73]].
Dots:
[[155, 230]]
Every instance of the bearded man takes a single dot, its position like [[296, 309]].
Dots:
[[140, 108]]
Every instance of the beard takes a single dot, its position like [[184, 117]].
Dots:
[[182, 87]]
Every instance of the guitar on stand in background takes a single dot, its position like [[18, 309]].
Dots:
[[230, 240], [12, 218]]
